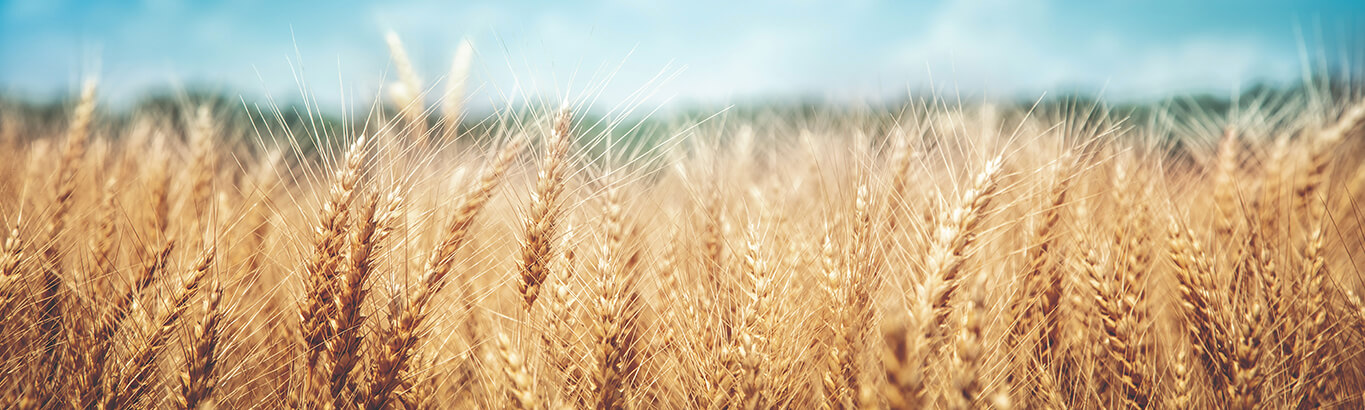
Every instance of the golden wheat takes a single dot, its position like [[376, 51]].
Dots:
[[847, 263]]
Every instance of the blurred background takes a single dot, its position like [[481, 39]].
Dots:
[[685, 54]]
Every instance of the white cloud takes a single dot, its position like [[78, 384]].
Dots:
[[1010, 47]]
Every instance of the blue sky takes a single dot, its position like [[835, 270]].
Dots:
[[709, 51]]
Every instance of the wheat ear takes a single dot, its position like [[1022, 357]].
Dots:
[[408, 91], [133, 382], [373, 224], [543, 221], [452, 109], [322, 268], [1199, 306], [952, 238], [399, 341], [200, 376], [98, 357], [520, 383]]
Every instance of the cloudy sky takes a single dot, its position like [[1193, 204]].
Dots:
[[697, 51]]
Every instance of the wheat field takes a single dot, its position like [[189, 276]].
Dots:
[[945, 255]]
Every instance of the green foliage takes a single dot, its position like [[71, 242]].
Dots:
[[246, 123]]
